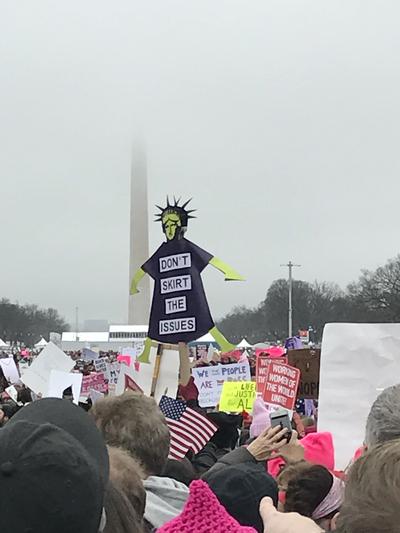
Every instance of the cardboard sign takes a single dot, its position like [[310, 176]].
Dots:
[[10, 369], [308, 362], [237, 397], [209, 380], [112, 373], [358, 361], [95, 381], [95, 396], [89, 355], [281, 385], [262, 364], [100, 365], [37, 376], [59, 381]]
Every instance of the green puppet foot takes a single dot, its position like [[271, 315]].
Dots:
[[144, 357], [225, 345]]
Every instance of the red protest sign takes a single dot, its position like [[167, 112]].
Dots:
[[262, 364], [95, 381], [281, 384]]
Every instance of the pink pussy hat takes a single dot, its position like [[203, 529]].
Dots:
[[318, 449], [203, 513], [261, 418]]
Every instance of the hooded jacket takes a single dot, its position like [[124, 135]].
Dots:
[[165, 500]]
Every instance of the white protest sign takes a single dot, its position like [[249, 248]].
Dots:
[[112, 373], [51, 358], [100, 365], [13, 393], [59, 381], [95, 395], [358, 361], [209, 380], [10, 370]]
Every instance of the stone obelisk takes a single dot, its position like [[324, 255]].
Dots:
[[139, 304]]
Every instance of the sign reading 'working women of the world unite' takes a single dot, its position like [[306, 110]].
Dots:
[[180, 311]]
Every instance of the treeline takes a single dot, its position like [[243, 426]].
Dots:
[[374, 297], [27, 323]]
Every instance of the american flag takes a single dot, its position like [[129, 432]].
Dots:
[[189, 429]]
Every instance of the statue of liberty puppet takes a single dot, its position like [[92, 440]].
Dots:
[[179, 311]]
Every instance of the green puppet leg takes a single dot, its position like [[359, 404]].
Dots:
[[225, 345], [144, 357], [230, 274]]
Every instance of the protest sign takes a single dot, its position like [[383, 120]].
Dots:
[[304, 336], [262, 364], [12, 392], [210, 379], [59, 381], [100, 365], [281, 385], [127, 380], [237, 396], [124, 359], [112, 373], [179, 310], [37, 376], [358, 361], [95, 395], [10, 370], [89, 355], [95, 381], [308, 362]]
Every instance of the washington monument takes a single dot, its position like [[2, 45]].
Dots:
[[139, 305]]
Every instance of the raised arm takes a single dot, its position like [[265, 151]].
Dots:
[[230, 274], [136, 279]]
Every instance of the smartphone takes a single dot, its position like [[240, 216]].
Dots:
[[281, 418]]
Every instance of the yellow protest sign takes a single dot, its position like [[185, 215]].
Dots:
[[237, 396]]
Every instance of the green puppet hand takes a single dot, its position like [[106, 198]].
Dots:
[[136, 278], [230, 273]]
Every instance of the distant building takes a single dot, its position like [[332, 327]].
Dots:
[[113, 338], [95, 325]]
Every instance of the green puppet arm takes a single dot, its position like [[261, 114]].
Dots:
[[136, 279], [230, 274]]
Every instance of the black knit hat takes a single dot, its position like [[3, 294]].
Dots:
[[240, 489], [53, 457]]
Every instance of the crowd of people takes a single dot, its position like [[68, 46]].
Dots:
[[65, 470]]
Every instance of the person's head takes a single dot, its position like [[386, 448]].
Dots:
[[7, 411], [53, 448], [383, 422], [126, 475], [241, 488], [182, 471], [372, 496], [227, 434], [134, 422], [120, 515], [312, 491]]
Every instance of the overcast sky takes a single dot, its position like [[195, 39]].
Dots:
[[280, 118]]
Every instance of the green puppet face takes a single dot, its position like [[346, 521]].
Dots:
[[171, 225], [174, 219]]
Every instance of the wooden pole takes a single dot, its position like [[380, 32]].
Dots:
[[184, 366], [156, 372]]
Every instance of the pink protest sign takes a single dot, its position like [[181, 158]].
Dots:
[[262, 364], [281, 384], [94, 381], [126, 359]]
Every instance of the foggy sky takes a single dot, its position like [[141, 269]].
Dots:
[[280, 118]]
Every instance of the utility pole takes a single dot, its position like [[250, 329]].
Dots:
[[290, 266], [77, 323]]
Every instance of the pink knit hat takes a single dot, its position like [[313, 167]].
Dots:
[[261, 418], [318, 449], [203, 513]]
